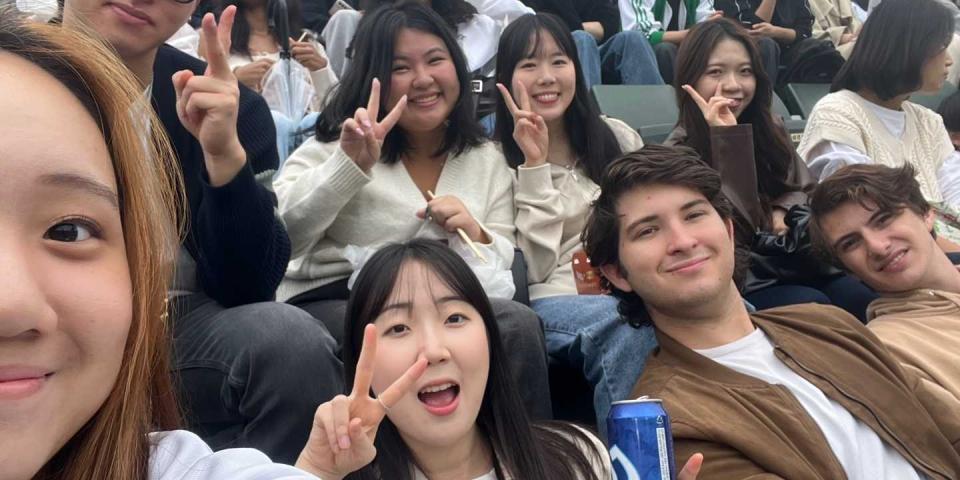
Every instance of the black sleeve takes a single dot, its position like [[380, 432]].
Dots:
[[243, 246], [561, 8], [603, 11], [802, 20], [731, 11]]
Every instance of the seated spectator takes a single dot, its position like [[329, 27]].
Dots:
[[797, 392], [868, 118], [432, 396], [835, 20], [608, 54], [369, 175], [874, 220], [949, 111], [725, 116], [777, 27], [89, 232], [953, 49], [234, 348], [665, 23], [559, 145]]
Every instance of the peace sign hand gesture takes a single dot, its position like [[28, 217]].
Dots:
[[529, 129], [344, 428], [207, 104], [361, 137], [717, 111]]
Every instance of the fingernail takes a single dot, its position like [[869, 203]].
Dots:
[[360, 132], [366, 123], [344, 442]]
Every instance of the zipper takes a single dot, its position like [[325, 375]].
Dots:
[[877, 418]]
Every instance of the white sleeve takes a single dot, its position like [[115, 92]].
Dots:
[[827, 157], [181, 455], [638, 15], [949, 176], [704, 9], [501, 10]]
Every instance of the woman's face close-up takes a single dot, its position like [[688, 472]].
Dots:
[[424, 71], [548, 77], [66, 306], [730, 69], [423, 316], [935, 71]]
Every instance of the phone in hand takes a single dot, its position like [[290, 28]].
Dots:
[[340, 5]]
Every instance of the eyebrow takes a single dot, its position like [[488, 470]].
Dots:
[[425, 54], [81, 183], [409, 305], [650, 218]]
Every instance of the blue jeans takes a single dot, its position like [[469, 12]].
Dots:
[[586, 332], [290, 134], [625, 58]]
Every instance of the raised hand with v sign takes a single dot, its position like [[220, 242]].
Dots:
[[344, 428], [529, 129], [361, 137], [717, 111], [208, 104]]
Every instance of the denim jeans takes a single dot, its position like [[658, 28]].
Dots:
[[625, 58], [586, 332], [252, 375], [290, 134]]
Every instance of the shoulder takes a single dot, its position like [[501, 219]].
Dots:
[[843, 103], [923, 115], [810, 314], [169, 58], [180, 454], [626, 135]]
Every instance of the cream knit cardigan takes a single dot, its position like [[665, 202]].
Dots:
[[841, 117], [552, 205], [327, 203]]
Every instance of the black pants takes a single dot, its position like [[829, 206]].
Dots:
[[520, 330], [253, 375]]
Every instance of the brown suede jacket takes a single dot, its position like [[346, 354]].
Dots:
[[747, 428]]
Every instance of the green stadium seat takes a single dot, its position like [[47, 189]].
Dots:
[[933, 101], [650, 109], [801, 97]]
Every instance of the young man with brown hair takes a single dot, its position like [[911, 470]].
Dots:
[[874, 221], [804, 391]]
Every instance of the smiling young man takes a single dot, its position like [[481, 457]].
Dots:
[[875, 222], [796, 392], [251, 371]]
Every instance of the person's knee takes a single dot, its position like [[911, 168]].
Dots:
[[583, 39], [281, 334], [665, 48], [630, 39]]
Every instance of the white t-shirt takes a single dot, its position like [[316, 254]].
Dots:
[[863, 455], [181, 455]]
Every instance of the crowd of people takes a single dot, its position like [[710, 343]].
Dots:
[[342, 240]]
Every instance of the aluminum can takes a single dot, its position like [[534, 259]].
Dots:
[[641, 445]]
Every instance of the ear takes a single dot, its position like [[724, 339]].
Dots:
[[728, 222], [929, 219], [616, 277]]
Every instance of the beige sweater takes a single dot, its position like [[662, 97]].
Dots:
[[922, 330], [327, 203], [832, 19], [842, 117], [552, 204]]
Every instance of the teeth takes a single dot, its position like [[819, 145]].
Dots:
[[437, 388], [426, 99], [546, 97]]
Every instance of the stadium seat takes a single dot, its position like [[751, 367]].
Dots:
[[801, 97], [650, 109]]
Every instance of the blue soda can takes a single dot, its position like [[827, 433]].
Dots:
[[641, 445]]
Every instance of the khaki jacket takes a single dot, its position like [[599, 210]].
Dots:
[[747, 428], [832, 19]]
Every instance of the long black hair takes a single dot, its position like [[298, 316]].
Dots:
[[240, 35], [555, 451], [896, 40], [374, 45], [773, 150], [590, 138]]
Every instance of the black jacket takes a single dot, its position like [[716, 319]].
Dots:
[[576, 12], [792, 14], [241, 248]]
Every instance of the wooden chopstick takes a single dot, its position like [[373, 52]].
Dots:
[[464, 236]]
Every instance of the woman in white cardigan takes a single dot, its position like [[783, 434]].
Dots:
[[901, 50], [368, 180], [553, 135]]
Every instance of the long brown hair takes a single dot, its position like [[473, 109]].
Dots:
[[113, 444], [773, 150]]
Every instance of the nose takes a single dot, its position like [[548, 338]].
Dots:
[[423, 79], [546, 76], [23, 307], [681, 239], [731, 84], [433, 344], [878, 246]]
